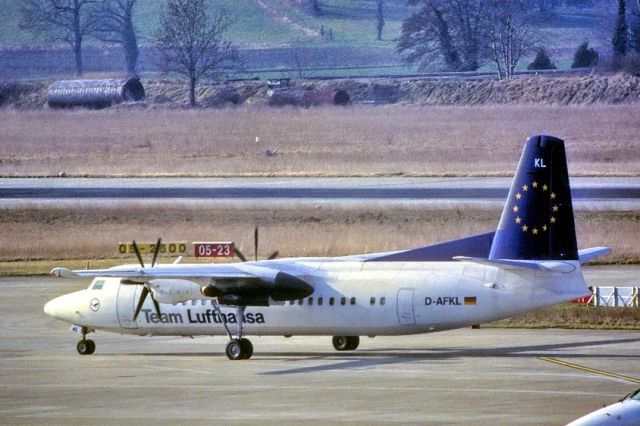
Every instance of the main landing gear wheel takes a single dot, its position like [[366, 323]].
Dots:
[[86, 347], [239, 349], [247, 348], [345, 343]]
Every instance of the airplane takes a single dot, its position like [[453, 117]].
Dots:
[[530, 262], [625, 412]]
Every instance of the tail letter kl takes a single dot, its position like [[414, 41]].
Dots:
[[539, 162]]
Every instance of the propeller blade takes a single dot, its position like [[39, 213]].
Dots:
[[143, 296], [273, 255], [155, 303], [255, 243], [137, 250], [240, 255], [155, 253]]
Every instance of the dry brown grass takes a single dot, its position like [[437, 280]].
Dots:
[[92, 233], [575, 316], [412, 140]]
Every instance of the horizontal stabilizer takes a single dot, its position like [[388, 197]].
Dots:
[[63, 272], [586, 255], [547, 265]]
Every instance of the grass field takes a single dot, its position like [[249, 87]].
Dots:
[[356, 141], [270, 23], [575, 316], [89, 232]]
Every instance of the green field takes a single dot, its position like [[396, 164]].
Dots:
[[275, 23], [263, 23]]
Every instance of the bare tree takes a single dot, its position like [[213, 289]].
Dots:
[[301, 58], [114, 24], [60, 20], [380, 18], [449, 31], [190, 42], [513, 30]]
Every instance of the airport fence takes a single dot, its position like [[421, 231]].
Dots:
[[625, 297]]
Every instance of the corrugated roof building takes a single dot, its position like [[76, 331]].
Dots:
[[94, 93]]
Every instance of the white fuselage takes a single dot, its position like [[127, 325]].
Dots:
[[349, 298]]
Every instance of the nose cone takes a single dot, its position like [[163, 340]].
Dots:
[[63, 308]]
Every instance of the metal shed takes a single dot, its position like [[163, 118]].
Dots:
[[94, 93]]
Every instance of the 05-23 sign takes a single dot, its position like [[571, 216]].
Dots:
[[213, 249]]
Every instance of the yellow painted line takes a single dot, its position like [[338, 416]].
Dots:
[[590, 370]]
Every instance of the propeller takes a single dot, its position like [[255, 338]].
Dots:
[[146, 289], [242, 257]]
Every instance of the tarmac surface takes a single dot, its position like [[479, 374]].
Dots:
[[382, 188], [480, 377]]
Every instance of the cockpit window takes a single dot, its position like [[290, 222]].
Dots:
[[97, 285]]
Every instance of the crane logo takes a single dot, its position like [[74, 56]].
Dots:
[[94, 304]]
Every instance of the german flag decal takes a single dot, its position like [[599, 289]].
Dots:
[[470, 300]]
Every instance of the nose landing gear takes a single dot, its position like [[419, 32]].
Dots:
[[85, 346]]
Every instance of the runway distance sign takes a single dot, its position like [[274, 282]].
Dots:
[[169, 248], [214, 249]]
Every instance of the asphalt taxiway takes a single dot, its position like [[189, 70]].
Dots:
[[379, 188], [485, 376]]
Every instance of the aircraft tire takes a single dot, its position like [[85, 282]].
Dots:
[[340, 343], [86, 347], [247, 348], [235, 350], [352, 342]]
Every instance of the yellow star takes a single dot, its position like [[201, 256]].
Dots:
[[545, 187], [555, 208], [553, 219], [553, 195], [524, 228], [516, 208], [534, 184], [534, 231], [525, 187], [518, 220], [518, 196], [544, 227]]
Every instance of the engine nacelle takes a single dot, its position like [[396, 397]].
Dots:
[[174, 291]]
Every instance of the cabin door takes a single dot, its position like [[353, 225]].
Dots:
[[406, 314]]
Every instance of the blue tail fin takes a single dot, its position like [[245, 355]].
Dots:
[[537, 220]]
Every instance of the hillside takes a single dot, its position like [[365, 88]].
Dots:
[[274, 24]]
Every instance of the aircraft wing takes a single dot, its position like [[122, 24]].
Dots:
[[157, 272], [241, 284]]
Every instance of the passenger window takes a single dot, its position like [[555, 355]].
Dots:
[[204, 302], [372, 301], [332, 301], [320, 301], [98, 284], [310, 301], [301, 302], [383, 301], [353, 300], [343, 301], [193, 302]]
